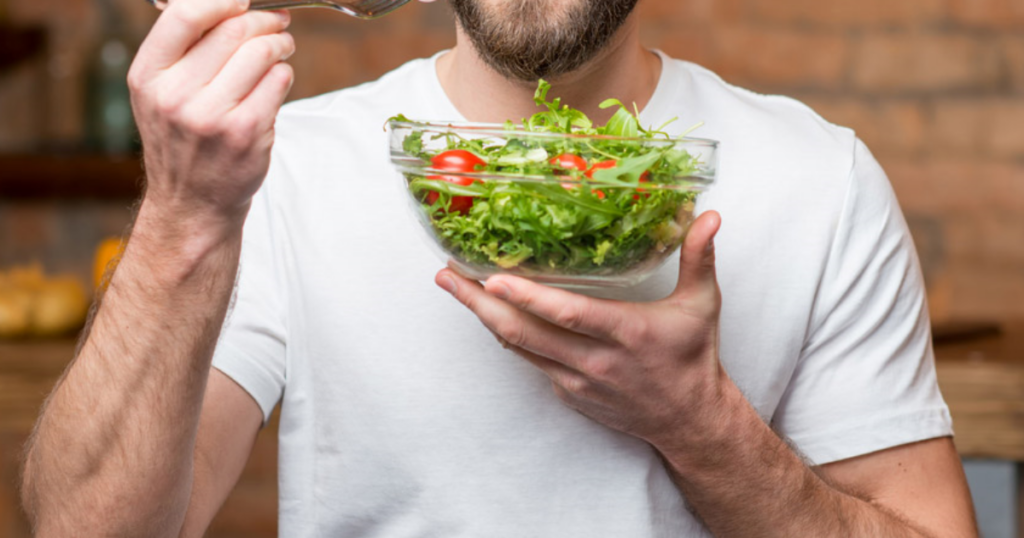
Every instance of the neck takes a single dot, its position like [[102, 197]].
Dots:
[[624, 69]]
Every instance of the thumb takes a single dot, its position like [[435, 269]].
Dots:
[[697, 257]]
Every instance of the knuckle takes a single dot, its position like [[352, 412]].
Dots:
[[199, 123], [289, 44], [242, 131], [186, 13], [237, 142], [285, 73], [633, 329], [234, 30], [573, 385], [466, 299], [570, 316], [135, 80], [167, 105], [513, 332], [266, 49], [236, 139], [245, 123], [287, 39], [561, 392], [598, 367], [639, 330]]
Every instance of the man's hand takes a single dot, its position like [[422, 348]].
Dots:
[[206, 86], [652, 370], [647, 369], [114, 449]]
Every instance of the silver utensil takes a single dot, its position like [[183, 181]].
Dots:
[[363, 9]]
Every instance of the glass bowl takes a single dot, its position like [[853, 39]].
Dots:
[[565, 209]]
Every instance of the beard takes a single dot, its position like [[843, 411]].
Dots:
[[528, 39]]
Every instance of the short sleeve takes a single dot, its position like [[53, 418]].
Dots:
[[251, 348], [866, 379]]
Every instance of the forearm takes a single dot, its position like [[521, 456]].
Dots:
[[113, 448], [743, 480]]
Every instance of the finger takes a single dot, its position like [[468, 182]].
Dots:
[[518, 328], [180, 26], [697, 257], [204, 60], [271, 91], [569, 380], [252, 121], [570, 311], [249, 65]]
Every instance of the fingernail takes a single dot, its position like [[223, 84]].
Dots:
[[243, 3], [710, 246], [448, 284], [501, 291]]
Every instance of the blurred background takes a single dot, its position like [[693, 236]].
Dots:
[[934, 87]]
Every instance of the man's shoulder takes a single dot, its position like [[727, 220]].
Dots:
[[749, 104], [767, 120]]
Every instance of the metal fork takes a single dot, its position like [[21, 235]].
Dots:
[[363, 9]]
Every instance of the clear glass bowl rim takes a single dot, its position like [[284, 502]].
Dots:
[[498, 130], [696, 183]]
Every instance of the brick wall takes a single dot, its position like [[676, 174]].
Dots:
[[934, 87]]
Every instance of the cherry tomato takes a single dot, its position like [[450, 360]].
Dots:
[[570, 186], [644, 178], [458, 204], [457, 160], [568, 161], [600, 166]]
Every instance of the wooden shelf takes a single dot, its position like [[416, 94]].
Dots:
[[69, 176]]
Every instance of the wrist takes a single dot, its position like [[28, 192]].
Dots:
[[181, 223], [720, 418], [174, 245]]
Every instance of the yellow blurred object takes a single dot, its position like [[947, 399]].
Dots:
[[15, 306], [60, 307], [33, 305], [29, 276], [108, 251]]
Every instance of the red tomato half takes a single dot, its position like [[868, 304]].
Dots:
[[601, 166], [459, 204], [644, 178], [570, 186], [568, 161], [457, 160]]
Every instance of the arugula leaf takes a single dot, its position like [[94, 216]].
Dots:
[[622, 123], [629, 170]]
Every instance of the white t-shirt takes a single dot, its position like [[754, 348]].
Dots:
[[402, 416]]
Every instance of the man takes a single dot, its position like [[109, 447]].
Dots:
[[667, 409]]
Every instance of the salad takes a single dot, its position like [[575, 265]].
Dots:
[[556, 194]]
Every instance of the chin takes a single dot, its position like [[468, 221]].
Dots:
[[529, 39]]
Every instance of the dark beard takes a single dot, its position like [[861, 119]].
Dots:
[[523, 43]]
